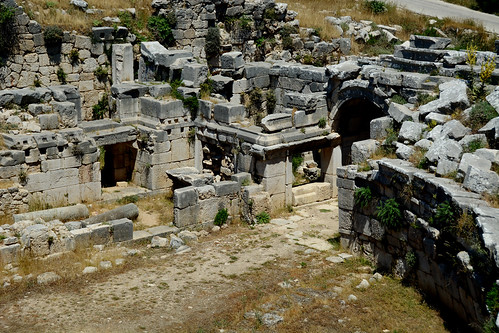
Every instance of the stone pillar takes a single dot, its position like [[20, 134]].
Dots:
[[330, 161], [122, 63], [198, 154], [289, 179]]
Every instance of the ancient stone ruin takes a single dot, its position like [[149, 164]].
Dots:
[[248, 129]]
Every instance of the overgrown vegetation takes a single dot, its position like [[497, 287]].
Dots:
[[61, 75], [398, 99], [444, 215], [8, 33], [161, 28], [74, 56], [481, 113], [389, 214], [296, 161], [286, 32], [101, 73], [262, 218], [213, 43], [100, 109], [477, 88], [191, 103], [53, 36], [363, 197], [221, 217]]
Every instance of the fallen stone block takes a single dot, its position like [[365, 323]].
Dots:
[[69, 213], [362, 150], [129, 211], [276, 122], [479, 181], [411, 131], [228, 113], [122, 230], [379, 126]]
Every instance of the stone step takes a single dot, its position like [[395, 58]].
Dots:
[[98, 125], [413, 53], [415, 65], [303, 199]]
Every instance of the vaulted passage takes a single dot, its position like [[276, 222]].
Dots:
[[119, 162], [352, 123]]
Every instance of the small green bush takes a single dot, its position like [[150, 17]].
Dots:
[[286, 31], [481, 113], [128, 199], [262, 218], [206, 88], [192, 104], [389, 214], [444, 215], [410, 259], [101, 73], [100, 109], [375, 6], [322, 123], [474, 145], [221, 217], [424, 98], [8, 35], [296, 161], [74, 56], [363, 197], [161, 28], [492, 300], [61, 75], [399, 99], [271, 101], [213, 43], [53, 36]]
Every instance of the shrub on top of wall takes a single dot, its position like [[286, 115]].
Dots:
[[8, 35], [53, 36]]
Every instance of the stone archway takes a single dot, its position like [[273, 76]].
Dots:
[[352, 121]]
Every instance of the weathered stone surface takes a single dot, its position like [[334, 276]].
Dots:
[[493, 98], [276, 122], [184, 197], [491, 129], [232, 60], [471, 159], [446, 167], [362, 150], [455, 130], [122, 230], [69, 213], [404, 151], [48, 277], [411, 131], [399, 112], [444, 149], [129, 211], [379, 127], [452, 96], [478, 180], [426, 42], [228, 113], [67, 113]]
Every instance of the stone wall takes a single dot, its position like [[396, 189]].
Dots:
[[13, 200], [35, 64], [452, 266]]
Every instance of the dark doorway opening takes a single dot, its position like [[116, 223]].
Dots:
[[353, 124], [119, 163]]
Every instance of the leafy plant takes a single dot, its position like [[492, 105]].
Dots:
[[363, 197], [296, 161], [206, 88], [161, 28], [424, 98], [128, 199], [100, 109], [474, 145], [213, 43], [101, 73], [444, 215], [389, 214], [492, 300], [191, 135], [192, 104], [481, 113], [262, 218], [477, 91], [74, 56], [8, 35], [375, 6], [411, 260], [53, 36], [271, 101], [399, 99], [61, 75], [221, 217], [322, 123]]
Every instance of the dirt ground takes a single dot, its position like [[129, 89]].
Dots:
[[277, 277]]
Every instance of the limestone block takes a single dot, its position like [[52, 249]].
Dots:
[[90, 192], [209, 208], [471, 159], [180, 150], [274, 184], [195, 74], [49, 121], [122, 63], [241, 177], [411, 131], [52, 179], [101, 34], [122, 230], [222, 84], [228, 113], [399, 113], [479, 181], [83, 42], [302, 118], [11, 157], [226, 187], [184, 197], [276, 122], [100, 233], [362, 150], [9, 253], [232, 60], [445, 148], [403, 151], [445, 167], [379, 126], [187, 216], [426, 42], [67, 112], [345, 220], [345, 199], [160, 90], [205, 109]]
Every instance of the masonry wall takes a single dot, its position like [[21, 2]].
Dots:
[[455, 271]]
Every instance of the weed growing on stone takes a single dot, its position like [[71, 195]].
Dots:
[[61, 75], [101, 73], [101, 108], [363, 197], [322, 123], [74, 56], [481, 113], [262, 218], [444, 215], [398, 99], [53, 36], [424, 98], [161, 28], [389, 214], [221, 217], [474, 145]]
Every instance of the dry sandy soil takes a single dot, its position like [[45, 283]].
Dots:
[[239, 279]]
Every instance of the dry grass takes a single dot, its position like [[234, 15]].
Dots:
[[404, 309], [492, 199], [48, 12]]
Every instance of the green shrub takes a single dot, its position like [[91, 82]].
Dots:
[[101, 73], [444, 215], [286, 31], [161, 28], [74, 56], [271, 101], [213, 44], [389, 214], [61, 75], [492, 300], [206, 88], [128, 199], [221, 217], [270, 14], [424, 98], [262, 218], [53, 36], [399, 99], [474, 145], [296, 161], [375, 6], [8, 35], [410, 259], [192, 104], [322, 123], [100, 109], [363, 197], [481, 113]]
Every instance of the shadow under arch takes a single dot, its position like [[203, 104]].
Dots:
[[352, 121]]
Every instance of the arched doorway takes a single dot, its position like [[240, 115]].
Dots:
[[352, 122]]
